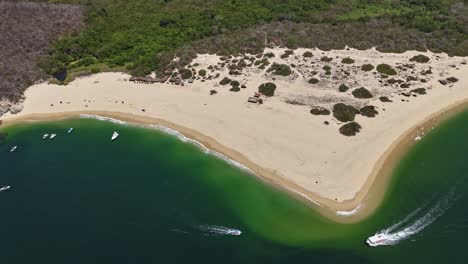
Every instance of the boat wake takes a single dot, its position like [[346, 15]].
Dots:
[[220, 230], [411, 224]]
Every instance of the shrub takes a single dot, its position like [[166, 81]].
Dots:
[[235, 84], [419, 91], [405, 85], [385, 99], [420, 58], [350, 129], [202, 72], [212, 92], [280, 69], [313, 81], [95, 70], [344, 113], [308, 54], [362, 93], [267, 89], [326, 68], [367, 67], [452, 79], [269, 55], [386, 69], [234, 89], [185, 73], [368, 111], [347, 60], [326, 59], [225, 81], [319, 111], [287, 53], [343, 88]]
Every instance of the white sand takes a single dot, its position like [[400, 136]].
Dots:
[[284, 143]]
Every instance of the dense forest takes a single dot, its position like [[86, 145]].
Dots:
[[131, 34], [140, 36]]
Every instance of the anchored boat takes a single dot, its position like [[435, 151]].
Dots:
[[13, 148]]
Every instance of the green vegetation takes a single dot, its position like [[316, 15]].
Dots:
[[225, 81], [362, 93], [385, 99], [185, 73], [313, 81], [347, 60], [420, 58], [367, 67], [420, 91], [280, 69], [267, 89], [213, 92], [343, 88], [287, 53], [143, 35], [326, 59], [344, 113], [202, 72], [368, 111], [350, 129], [319, 111], [307, 54], [386, 69]]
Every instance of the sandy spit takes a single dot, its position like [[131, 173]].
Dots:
[[344, 178]]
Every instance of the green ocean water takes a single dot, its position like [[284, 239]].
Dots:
[[150, 197]]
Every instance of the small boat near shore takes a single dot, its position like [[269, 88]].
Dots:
[[70, 130], [377, 240], [4, 188], [45, 136], [53, 136], [13, 148], [115, 135]]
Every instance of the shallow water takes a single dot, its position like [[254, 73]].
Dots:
[[148, 197]]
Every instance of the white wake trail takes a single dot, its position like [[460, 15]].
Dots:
[[408, 227]]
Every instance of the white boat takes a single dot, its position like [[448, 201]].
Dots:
[[70, 130], [114, 136], [13, 148], [377, 240], [221, 230], [45, 136], [4, 188], [52, 136]]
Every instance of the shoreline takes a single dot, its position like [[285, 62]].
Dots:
[[281, 140], [372, 194]]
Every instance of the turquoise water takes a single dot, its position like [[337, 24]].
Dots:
[[151, 198]]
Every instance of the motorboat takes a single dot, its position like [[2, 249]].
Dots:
[[70, 130], [45, 136], [115, 135], [53, 136], [13, 148], [4, 188]]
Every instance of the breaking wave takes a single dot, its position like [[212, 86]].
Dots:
[[412, 224], [178, 135]]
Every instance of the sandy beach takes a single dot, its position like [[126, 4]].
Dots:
[[343, 177]]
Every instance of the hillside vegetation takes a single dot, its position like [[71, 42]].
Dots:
[[26, 30], [131, 34]]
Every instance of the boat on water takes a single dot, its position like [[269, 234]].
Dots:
[[4, 188], [45, 136], [70, 130], [114, 136], [52, 136], [13, 148], [376, 240]]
